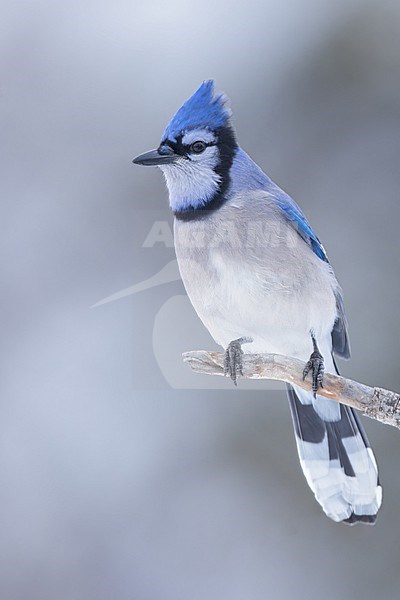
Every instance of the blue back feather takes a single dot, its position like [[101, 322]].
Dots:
[[247, 175]]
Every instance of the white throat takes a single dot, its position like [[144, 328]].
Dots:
[[191, 184]]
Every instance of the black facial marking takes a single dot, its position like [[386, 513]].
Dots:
[[227, 146], [176, 145], [185, 150]]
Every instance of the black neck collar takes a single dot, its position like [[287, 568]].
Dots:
[[227, 146]]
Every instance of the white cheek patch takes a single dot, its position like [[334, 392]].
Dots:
[[191, 183], [204, 135]]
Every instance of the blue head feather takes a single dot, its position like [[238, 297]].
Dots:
[[205, 109]]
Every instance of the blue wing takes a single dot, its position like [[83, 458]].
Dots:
[[340, 337], [297, 218]]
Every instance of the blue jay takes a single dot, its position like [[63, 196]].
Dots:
[[258, 276]]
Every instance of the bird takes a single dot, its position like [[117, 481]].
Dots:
[[260, 280]]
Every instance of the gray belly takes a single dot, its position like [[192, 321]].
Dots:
[[269, 286]]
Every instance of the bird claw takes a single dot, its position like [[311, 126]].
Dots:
[[315, 364], [233, 363]]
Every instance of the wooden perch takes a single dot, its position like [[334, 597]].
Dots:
[[376, 403]]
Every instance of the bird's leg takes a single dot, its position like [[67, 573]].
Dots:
[[315, 364], [233, 358]]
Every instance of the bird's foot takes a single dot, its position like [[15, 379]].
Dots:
[[315, 364], [233, 364]]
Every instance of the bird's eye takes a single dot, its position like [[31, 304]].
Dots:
[[198, 147]]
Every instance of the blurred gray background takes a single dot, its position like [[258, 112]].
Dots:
[[113, 482]]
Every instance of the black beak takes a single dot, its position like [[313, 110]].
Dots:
[[164, 155]]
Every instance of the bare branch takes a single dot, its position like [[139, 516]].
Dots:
[[377, 403]]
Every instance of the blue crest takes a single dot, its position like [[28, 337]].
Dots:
[[204, 109]]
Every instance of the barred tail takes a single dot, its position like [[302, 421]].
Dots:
[[336, 458]]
